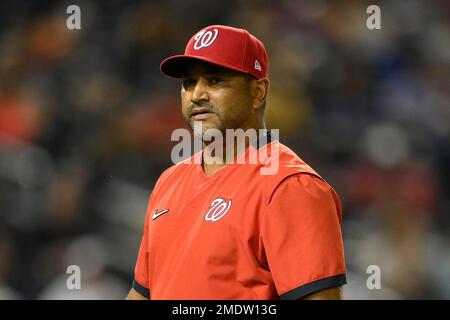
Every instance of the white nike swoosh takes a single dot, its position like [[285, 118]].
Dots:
[[156, 214]]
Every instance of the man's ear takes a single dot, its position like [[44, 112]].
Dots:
[[260, 91]]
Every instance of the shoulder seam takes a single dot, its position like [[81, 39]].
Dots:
[[269, 198]]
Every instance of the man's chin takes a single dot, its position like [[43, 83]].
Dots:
[[204, 127], [208, 134]]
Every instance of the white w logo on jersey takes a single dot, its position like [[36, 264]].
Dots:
[[219, 207], [204, 38]]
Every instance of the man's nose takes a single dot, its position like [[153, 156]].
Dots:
[[200, 92]]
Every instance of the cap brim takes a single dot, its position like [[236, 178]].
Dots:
[[176, 66]]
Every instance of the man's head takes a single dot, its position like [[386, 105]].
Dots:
[[224, 78], [222, 98]]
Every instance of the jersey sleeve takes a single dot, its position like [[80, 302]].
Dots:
[[302, 239], [141, 279]]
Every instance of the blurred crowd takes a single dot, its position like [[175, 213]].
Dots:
[[86, 118]]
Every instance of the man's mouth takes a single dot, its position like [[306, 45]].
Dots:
[[201, 114]]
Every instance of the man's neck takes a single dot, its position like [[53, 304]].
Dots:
[[215, 157]]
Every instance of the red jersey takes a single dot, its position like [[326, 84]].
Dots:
[[238, 234]]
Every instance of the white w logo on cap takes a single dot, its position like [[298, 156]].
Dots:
[[204, 38], [257, 65]]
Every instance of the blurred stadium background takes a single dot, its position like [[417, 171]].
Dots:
[[86, 117]]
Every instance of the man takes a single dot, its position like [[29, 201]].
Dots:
[[221, 229]]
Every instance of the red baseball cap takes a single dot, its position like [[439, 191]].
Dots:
[[225, 46]]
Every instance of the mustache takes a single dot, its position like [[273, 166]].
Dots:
[[204, 105]]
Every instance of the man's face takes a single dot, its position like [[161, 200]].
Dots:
[[218, 97]]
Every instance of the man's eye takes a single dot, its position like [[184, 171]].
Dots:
[[188, 82], [215, 80]]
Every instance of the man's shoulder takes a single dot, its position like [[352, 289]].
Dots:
[[289, 163], [179, 168], [296, 174], [291, 166]]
